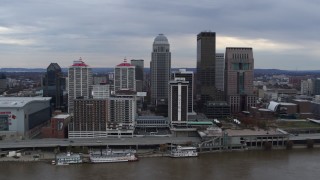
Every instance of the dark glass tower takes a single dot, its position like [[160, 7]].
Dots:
[[54, 85], [206, 67]]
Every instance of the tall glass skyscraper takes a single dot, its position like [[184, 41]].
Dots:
[[160, 67], [206, 68], [53, 85]]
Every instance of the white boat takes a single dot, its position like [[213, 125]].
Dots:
[[108, 156], [180, 151]]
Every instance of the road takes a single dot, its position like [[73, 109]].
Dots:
[[6, 144]]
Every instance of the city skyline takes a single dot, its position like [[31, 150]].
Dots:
[[35, 33]]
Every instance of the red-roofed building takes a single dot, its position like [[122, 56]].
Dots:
[[79, 63], [79, 82], [124, 77]]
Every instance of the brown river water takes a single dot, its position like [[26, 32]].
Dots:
[[276, 164]]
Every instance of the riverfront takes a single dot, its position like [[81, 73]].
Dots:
[[276, 164]]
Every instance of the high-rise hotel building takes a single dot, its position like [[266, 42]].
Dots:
[[160, 70], [79, 82], [239, 65], [124, 77]]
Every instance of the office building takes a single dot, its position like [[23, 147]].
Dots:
[[178, 101], [53, 86], [90, 118], [79, 82], [189, 77], [219, 74], [160, 70], [216, 109], [122, 113], [124, 77], [239, 78], [206, 68], [139, 64]]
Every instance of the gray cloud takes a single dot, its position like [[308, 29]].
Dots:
[[103, 32]]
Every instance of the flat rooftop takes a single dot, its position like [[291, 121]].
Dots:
[[16, 102], [249, 132]]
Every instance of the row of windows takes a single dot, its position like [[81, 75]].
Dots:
[[240, 56]]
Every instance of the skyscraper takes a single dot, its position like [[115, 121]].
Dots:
[[139, 64], [206, 67], [79, 82], [239, 78], [124, 77], [160, 67], [178, 101], [188, 76], [219, 76], [54, 85]]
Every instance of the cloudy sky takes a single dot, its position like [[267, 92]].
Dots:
[[283, 34]]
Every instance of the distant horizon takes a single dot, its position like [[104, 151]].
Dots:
[[43, 68]]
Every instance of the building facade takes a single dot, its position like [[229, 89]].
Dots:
[[239, 78], [206, 57], [160, 70], [23, 117], [139, 64], [58, 127], [53, 86], [122, 113], [178, 101], [219, 74], [101, 91], [79, 82], [316, 86], [189, 77], [124, 77], [90, 118], [307, 87], [216, 109]]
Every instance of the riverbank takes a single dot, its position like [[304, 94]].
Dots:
[[41, 156]]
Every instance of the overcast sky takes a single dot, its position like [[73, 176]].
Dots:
[[284, 34]]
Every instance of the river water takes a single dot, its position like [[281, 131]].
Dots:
[[276, 164]]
